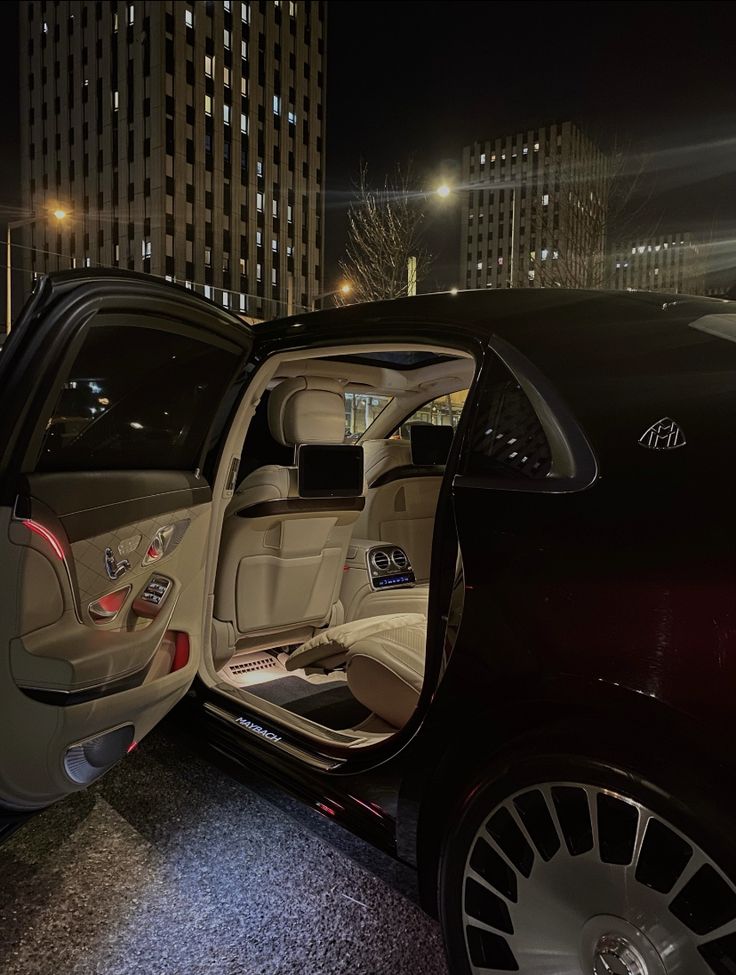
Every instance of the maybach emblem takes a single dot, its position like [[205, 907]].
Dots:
[[258, 730], [665, 434]]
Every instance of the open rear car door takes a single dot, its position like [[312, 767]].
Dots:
[[114, 390]]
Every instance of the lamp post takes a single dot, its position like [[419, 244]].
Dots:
[[60, 215], [443, 191], [344, 289]]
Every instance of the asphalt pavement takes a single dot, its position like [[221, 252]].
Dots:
[[170, 866]]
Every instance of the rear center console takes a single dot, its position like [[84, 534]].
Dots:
[[378, 579], [389, 567]]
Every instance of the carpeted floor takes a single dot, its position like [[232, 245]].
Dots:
[[172, 867], [330, 704]]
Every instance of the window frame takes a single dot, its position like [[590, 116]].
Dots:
[[574, 464]]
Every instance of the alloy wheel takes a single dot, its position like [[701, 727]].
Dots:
[[569, 879]]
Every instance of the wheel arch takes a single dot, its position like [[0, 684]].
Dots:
[[600, 720]]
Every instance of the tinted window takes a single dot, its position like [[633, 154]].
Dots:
[[508, 438], [444, 411], [137, 398]]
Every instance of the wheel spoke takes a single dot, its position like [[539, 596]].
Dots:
[[580, 907]]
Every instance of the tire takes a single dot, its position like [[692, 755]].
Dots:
[[564, 864]]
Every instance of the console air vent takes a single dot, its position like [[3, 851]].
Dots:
[[381, 560], [399, 559]]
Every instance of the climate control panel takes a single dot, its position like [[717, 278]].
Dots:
[[389, 567]]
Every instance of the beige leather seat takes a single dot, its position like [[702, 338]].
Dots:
[[400, 501], [282, 556], [384, 659]]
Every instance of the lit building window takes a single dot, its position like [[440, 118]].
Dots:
[[259, 167], [274, 276], [276, 105], [479, 266], [500, 262], [536, 147], [289, 251], [259, 202], [292, 118], [545, 199], [226, 38], [131, 14], [226, 76], [208, 104], [226, 114], [189, 18], [245, 12], [115, 100], [244, 50], [225, 299], [259, 238], [208, 257], [275, 208], [482, 159], [244, 123], [545, 253], [275, 246], [209, 65], [208, 291], [244, 87], [259, 272], [290, 213]]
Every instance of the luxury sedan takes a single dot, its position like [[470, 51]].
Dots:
[[458, 570]]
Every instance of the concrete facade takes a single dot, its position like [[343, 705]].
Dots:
[[534, 210], [185, 137], [668, 262]]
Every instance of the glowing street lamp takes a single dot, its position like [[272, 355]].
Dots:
[[60, 214], [443, 191]]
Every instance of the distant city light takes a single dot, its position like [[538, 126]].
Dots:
[[453, 291], [59, 214], [443, 190]]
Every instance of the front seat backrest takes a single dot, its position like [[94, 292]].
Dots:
[[400, 501], [282, 556]]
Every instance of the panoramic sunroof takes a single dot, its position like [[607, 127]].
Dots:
[[395, 360]]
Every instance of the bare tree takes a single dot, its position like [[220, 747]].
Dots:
[[385, 229], [597, 208]]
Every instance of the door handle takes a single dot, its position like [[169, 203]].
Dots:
[[159, 545]]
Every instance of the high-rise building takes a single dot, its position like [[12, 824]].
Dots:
[[185, 138], [534, 210], [667, 262]]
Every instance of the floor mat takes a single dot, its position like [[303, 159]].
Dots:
[[330, 704]]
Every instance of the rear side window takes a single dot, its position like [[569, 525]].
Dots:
[[137, 398], [510, 439], [523, 436]]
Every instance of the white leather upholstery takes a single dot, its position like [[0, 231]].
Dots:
[[386, 671], [282, 568], [329, 649], [384, 658], [401, 511], [308, 409]]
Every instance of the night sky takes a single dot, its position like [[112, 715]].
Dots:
[[418, 80]]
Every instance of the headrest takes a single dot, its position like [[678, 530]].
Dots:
[[308, 409]]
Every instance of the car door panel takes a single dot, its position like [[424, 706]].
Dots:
[[104, 525]]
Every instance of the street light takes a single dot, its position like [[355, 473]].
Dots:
[[345, 289], [443, 190], [60, 214]]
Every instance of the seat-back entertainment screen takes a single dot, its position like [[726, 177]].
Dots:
[[430, 445], [330, 470]]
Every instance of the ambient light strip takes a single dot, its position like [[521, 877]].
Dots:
[[48, 536]]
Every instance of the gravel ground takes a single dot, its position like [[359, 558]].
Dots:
[[171, 867]]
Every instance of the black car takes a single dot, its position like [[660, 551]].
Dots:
[[496, 636]]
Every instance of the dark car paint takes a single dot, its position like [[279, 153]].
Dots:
[[610, 603]]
